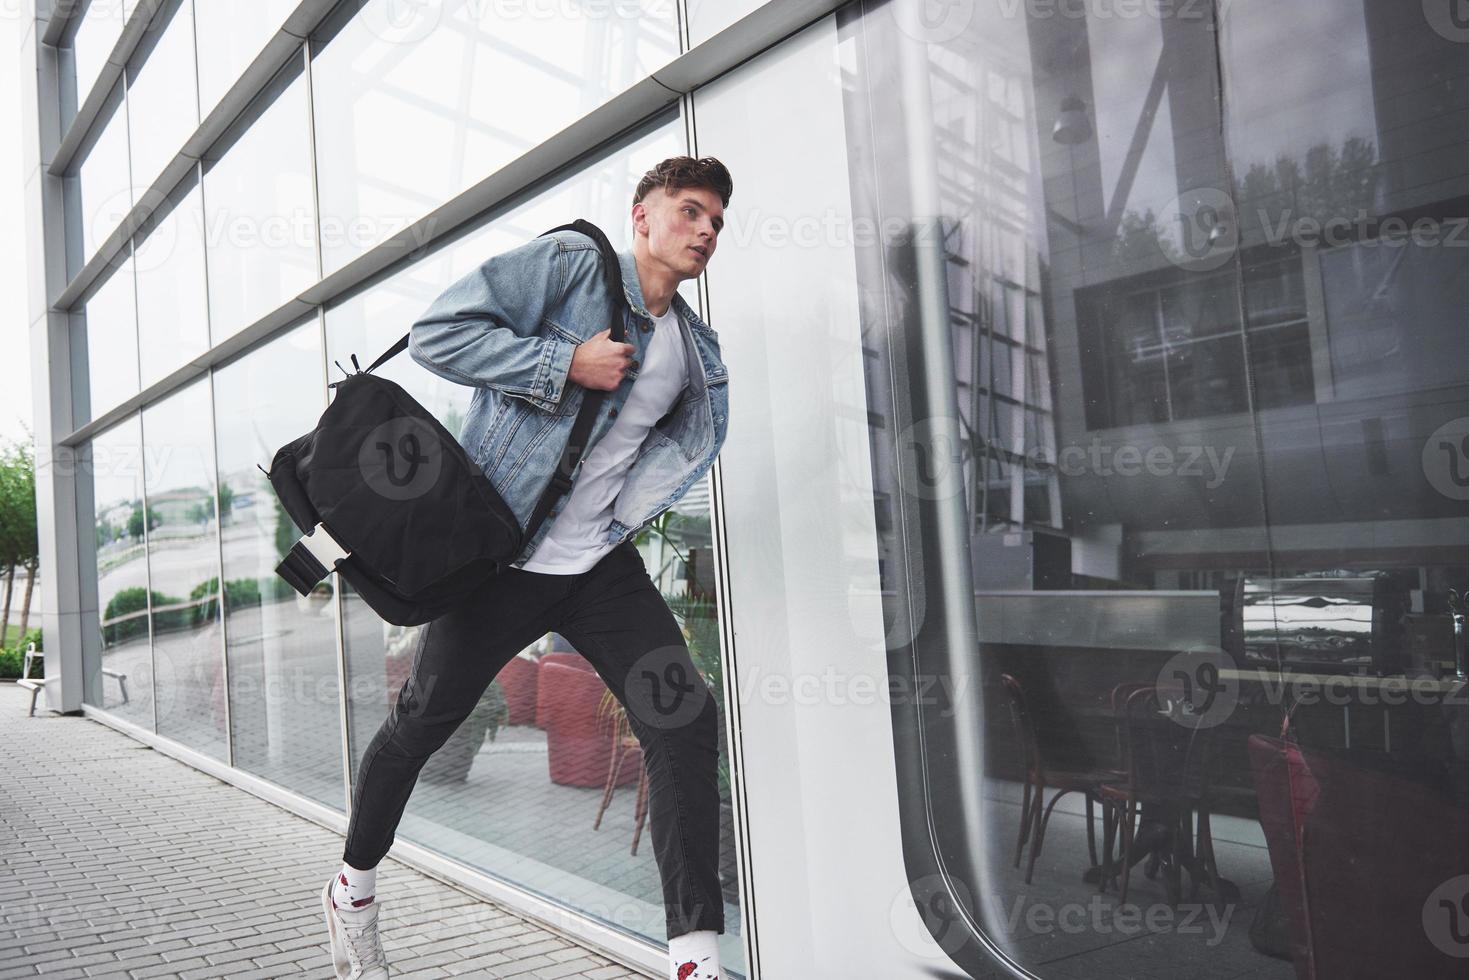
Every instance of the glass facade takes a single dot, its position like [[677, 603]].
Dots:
[[284, 688], [1096, 377], [226, 658], [1190, 288], [230, 35], [104, 332], [162, 91], [259, 211], [99, 188], [183, 570], [168, 264], [112, 464], [414, 105]]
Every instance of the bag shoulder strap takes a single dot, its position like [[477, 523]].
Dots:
[[611, 271], [560, 480], [581, 429]]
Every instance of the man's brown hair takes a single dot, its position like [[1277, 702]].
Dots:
[[679, 172]]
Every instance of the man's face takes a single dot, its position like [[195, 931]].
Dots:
[[683, 227]]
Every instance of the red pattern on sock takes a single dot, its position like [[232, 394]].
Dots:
[[357, 903]]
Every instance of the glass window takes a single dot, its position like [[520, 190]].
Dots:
[[412, 105], [708, 17], [173, 313], [183, 570], [285, 717], [488, 802], [111, 475], [93, 39], [1229, 490], [105, 333], [99, 190], [162, 102], [259, 215], [230, 34]]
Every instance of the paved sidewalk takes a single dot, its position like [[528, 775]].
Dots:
[[119, 861]]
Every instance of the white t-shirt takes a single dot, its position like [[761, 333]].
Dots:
[[577, 538]]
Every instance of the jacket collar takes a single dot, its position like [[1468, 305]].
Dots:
[[632, 288]]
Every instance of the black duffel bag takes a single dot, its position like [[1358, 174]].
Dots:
[[389, 499]]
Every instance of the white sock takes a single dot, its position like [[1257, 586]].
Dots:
[[354, 888], [694, 956]]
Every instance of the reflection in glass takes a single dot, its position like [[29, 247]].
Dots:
[[258, 207], [1039, 264], [105, 333], [412, 105], [1256, 470], [282, 648], [183, 567], [113, 463], [173, 312], [486, 797]]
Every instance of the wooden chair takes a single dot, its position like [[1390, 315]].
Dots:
[[1166, 763], [625, 745], [1042, 773]]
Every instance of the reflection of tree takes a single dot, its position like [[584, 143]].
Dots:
[[135, 520], [286, 534], [1329, 185], [1140, 238], [1326, 184]]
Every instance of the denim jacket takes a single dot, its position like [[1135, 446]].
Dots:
[[508, 328]]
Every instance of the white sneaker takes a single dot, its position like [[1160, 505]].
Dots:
[[357, 953]]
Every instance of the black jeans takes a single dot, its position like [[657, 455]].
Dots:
[[617, 619]]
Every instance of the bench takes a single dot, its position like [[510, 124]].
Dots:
[[36, 684]]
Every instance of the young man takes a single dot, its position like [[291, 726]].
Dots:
[[528, 329]]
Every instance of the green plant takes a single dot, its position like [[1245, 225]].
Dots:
[[125, 601], [12, 659]]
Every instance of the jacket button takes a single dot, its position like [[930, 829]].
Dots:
[[645, 326], [612, 414], [634, 363]]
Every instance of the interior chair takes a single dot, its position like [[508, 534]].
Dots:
[[1166, 765], [1042, 773], [625, 749]]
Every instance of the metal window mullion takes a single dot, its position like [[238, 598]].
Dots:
[[339, 615], [224, 651], [311, 151], [148, 572]]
